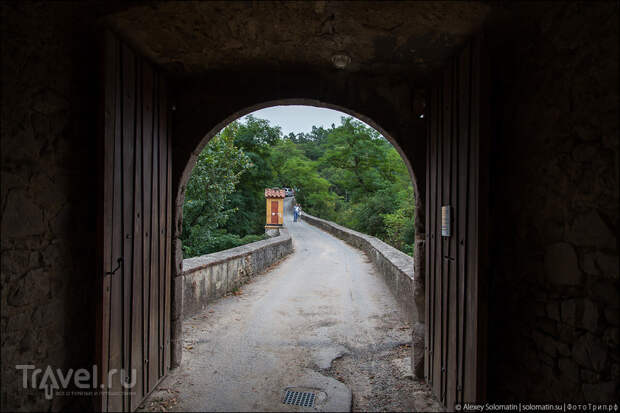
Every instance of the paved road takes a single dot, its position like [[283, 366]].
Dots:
[[285, 329]]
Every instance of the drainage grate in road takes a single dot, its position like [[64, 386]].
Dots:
[[299, 398]]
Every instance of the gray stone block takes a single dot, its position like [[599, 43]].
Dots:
[[561, 264], [602, 392], [590, 352], [214, 275], [589, 230]]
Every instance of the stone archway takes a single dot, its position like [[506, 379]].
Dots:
[[182, 171]]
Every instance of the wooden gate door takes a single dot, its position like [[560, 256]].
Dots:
[[274, 212], [455, 356], [133, 348]]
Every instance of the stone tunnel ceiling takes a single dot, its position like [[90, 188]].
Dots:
[[412, 38]]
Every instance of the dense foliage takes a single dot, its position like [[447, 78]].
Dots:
[[207, 208], [348, 174]]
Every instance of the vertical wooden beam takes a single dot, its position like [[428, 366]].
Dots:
[[445, 199], [138, 240], [116, 298], [153, 349], [437, 351], [128, 155], [463, 189], [436, 240], [452, 256], [111, 100], [147, 163], [428, 247], [168, 277], [163, 173], [483, 214], [471, 348]]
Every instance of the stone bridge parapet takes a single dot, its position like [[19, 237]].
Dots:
[[210, 276], [397, 269]]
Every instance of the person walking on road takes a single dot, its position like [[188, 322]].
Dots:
[[295, 212]]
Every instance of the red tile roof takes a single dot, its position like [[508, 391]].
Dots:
[[274, 193]]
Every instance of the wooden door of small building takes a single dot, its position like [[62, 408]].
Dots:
[[133, 343], [274, 212], [455, 356]]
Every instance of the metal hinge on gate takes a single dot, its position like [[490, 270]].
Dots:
[[119, 262]]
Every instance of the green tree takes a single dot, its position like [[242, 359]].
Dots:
[[256, 138], [354, 153], [399, 224], [375, 194], [312, 144], [349, 174], [212, 181]]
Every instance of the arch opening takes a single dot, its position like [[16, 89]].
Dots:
[[416, 330], [239, 115], [291, 102]]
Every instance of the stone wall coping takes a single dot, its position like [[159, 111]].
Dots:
[[194, 264], [398, 258]]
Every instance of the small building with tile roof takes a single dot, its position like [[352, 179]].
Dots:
[[274, 198]]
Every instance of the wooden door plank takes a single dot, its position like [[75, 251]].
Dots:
[[453, 242], [154, 279], [429, 243], [483, 215], [163, 170], [168, 268], [436, 252], [138, 239], [471, 361], [147, 163], [463, 168], [437, 379], [436, 269], [111, 99], [116, 302], [436, 239], [445, 200], [432, 206], [427, 240], [128, 155]]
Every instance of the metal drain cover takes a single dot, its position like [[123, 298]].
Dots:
[[299, 398]]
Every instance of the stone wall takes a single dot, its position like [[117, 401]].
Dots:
[[48, 195], [397, 269], [554, 175], [553, 311], [210, 276]]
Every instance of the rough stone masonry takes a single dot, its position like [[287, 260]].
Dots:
[[553, 290]]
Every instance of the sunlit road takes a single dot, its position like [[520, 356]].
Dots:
[[285, 329]]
